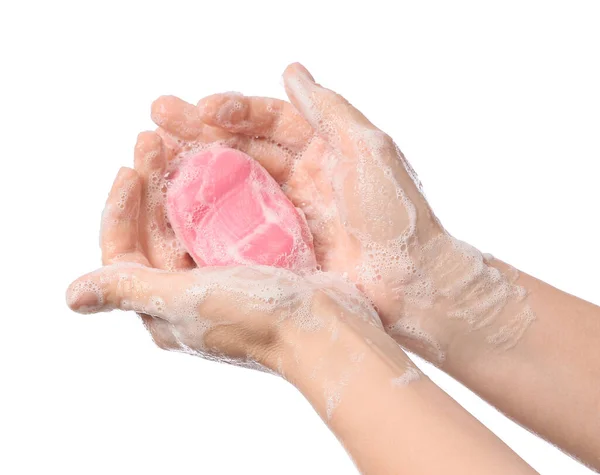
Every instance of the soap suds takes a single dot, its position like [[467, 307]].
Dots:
[[409, 265], [366, 209], [411, 374]]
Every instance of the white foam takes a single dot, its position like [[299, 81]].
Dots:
[[411, 374], [418, 275], [374, 226]]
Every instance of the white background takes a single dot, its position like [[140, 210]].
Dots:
[[496, 104]]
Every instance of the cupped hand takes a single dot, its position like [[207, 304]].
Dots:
[[359, 196], [364, 205], [244, 315]]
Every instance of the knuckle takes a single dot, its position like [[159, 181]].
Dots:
[[381, 142], [124, 286], [388, 142], [129, 289]]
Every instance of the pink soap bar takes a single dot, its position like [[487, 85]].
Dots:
[[226, 209]]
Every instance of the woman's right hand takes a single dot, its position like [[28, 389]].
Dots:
[[365, 208]]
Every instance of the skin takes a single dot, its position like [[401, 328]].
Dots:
[[329, 343], [550, 358]]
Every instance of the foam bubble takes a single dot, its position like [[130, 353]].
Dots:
[[411, 374], [367, 211]]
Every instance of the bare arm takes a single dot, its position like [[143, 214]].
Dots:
[[531, 350], [550, 380], [315, 330], [389, 417]]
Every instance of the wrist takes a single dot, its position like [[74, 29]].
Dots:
[[322, 361], [460, 298], [324, 328]]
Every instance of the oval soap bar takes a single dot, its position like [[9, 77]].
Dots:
[[226, 209]]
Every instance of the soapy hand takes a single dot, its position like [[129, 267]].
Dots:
[[365, 208], [244, 315], [241, 315]]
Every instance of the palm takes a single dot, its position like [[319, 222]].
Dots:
[[310, 188], [299, 163], [360, 197], [135, 228]]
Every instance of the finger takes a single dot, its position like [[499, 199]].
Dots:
[[278, 161], [174, 146], [332, 116], [158, 241], [177, 117], [149, 156], [261, 117], [119, 226], [274, 156], [181, 123], [171, 145], [127, 287], [150, 163]]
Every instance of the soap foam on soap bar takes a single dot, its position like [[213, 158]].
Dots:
[[226, 209]]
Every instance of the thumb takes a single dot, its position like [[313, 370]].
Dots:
[[333, 117], [126, 287]]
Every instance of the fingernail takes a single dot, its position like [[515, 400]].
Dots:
[[84, 297], [299, 85], [302, 71], [201, 106], [297, 73], [217, 105], [230, 109], [158, 110], [126, 173]]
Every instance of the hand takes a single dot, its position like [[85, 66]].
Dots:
[[366, 211], [246, 315]]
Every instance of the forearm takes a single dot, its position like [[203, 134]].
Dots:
[[550, 380], [389, 417]]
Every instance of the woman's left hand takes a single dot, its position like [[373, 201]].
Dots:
[[246, 315]]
